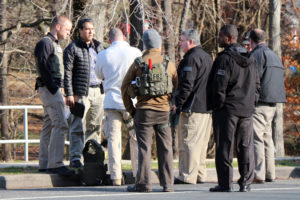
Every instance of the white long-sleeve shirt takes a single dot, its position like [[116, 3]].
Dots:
[[111, 66]]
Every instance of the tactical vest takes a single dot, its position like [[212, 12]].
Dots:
[[56, 60], [153, 82]]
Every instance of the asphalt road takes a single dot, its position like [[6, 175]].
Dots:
[[280, 190]]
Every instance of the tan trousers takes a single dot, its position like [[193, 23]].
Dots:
[[113, 130], [193, 136], [277, 131], [55, 128], [263, 142]]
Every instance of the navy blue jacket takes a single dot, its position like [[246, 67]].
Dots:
[[271, 73], [193, 72]]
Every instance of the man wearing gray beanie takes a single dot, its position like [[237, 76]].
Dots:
[[152, 39], [151, 112]]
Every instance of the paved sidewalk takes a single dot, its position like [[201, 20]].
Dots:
[[43, 180]]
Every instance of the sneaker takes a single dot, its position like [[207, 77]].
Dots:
[[270, 180], [63, 171], [258, 181], [135, 188], [178, 181], [42, 170], [200, 182], [168, 189], [245, 188], [220, 189], [76, 164], [116, 182]]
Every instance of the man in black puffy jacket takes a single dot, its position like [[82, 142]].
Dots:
[[233, 86], [82, 86]]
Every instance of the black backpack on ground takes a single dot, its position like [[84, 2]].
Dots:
[[94, 169]]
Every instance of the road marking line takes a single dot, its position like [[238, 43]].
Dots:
[[271, 189], [134, 194], [95, 195]]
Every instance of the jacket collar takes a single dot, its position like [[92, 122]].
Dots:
[[150, 51], [52, 37], [259, 46], [119, 43], [94, 44], [192, 50]]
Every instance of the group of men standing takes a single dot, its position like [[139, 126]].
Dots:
[[76, 76], [236, 95], [240, 90]]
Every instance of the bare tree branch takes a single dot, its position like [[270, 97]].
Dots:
[[26, 25]]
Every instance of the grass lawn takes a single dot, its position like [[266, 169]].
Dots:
[[209, 164]]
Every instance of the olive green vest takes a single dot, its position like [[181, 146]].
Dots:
[[56, 60], [153, 82]]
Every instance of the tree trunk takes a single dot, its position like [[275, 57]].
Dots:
[[217, 25], [258, 17], [97, 13], [184, 15], [136, 21], [277, 131], [168, 30], [3, 85], [183, 21], [60, 6], [274, 43], [274, 25]]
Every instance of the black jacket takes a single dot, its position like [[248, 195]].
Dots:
[[234, 82], [271, 74], [77, 67], [44, 53], [193, 72]]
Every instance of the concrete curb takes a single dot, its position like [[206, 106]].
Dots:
[[26, 181]]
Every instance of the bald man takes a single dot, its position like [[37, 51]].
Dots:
[[49, 84], [111, 66], [271, 73]]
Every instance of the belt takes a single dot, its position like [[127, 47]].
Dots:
[[267, 104], [94, 86]]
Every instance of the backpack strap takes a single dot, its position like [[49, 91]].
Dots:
[[166, 62], [140, 62]]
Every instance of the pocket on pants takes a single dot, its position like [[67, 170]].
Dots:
[[189, 129]]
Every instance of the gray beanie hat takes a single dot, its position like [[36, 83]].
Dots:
[[152, 39]]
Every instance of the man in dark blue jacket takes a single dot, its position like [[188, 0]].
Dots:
[[271, 73], [233, 86], [191, 103], [82, 86]]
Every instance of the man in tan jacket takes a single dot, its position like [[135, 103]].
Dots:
[[151, 112]]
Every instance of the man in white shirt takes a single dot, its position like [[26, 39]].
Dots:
[[111, 66]]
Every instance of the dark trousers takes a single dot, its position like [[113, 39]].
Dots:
[[146, 123], [228, 127]]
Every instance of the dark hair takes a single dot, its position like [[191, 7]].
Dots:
[[257, 35], [58, 20], [230, 31], [82, 21]]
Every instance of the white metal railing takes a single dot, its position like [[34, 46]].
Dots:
[[26, 141]]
